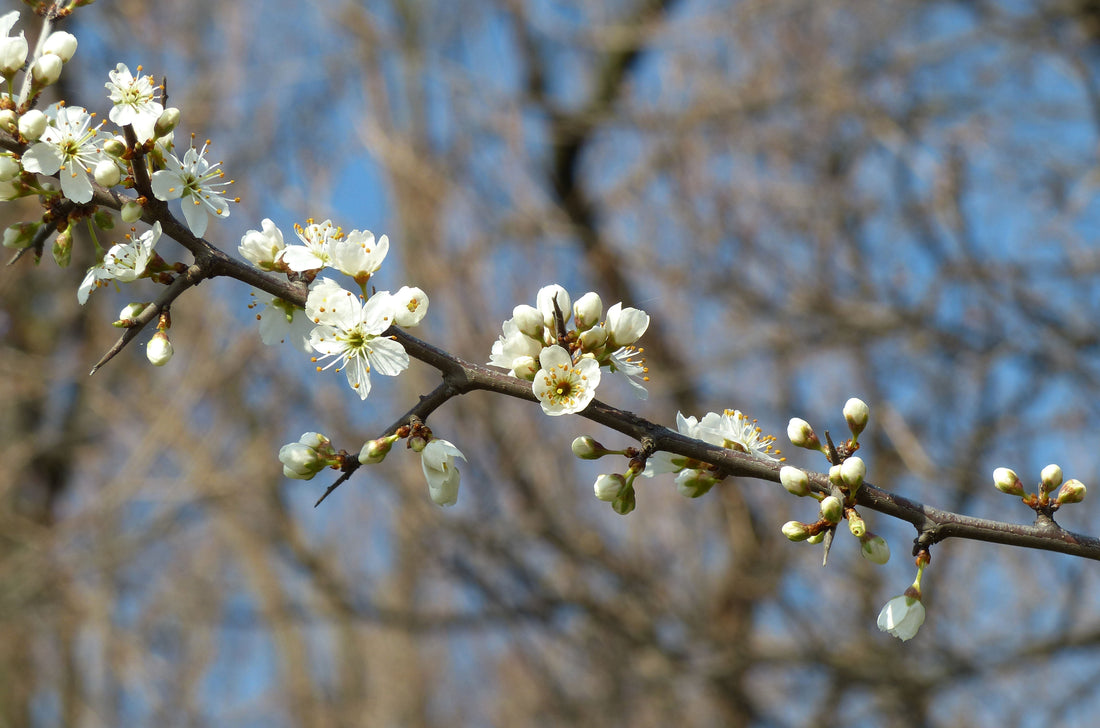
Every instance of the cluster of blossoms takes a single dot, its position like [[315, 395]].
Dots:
[[731, 429], [65, 141], [337, 325], [564, 363]]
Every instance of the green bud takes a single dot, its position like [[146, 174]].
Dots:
[[855, 524], [63, 247], [114, 147], [1007, 481], [795, 531], [375, 451], [608, 487], [626, 502], [1073, 491], [586, 448], [832, 510], [131, 211], [874, 548]]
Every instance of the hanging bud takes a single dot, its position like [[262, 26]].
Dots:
[[795, 531], [1073, 491], [852, 472], [1050, 478], [609, 486], [802, 435], [856, 413], [692, 483], [626, 502], [1007, 482], [874, 548], [795, 480], [159, 349]]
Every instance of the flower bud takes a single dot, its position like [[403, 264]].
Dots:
[[802, 435], [586, 448], [13, 54], [795, 480], [1007, 482], [131, 211], [129, 312], [692, 483], [47, 69], [107, 173], [546, 299], [9, 168], [375, 451], [856, 526], [63, 246], [874, 548], [1073, 491], [115, 147], [168, 120], [159, 349], [587, 311], [593, 339], [61, 44], [609, 486], [626, 502], [856, 413], [1050, 478], [834, 476], [8, 120], [307, 457], [526, 367], [625, 325], [20, 235], [32, 124], [832, 510], [852, 472], [795, 531], [528, 320]]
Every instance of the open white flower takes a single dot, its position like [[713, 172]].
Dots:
[[318, 239], [437, 461], [263, 247], [666, 462], [562, 386], [902, 617], [735, 431], [281, 321], [123, 262], [134, 100], [621, 363], [350, 334], [69, 145], [513, 347], [197, 184], [359, 255]]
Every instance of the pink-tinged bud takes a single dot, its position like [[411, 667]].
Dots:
[[1073, 491], [1007, 482]]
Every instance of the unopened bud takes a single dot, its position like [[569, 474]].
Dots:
[[856, 526], [47, 69], [61, 44], [63, 247], [802, 435], [1050, 478], [795, 531], [9, 168], [107, 173], [832, 510], [626, 502], [20, 235], [131, 211], [1007, 482], [168, 120], [528, 320], [856, 413], [32, 124], [693, 483], [852, 472], [129, 312], [8, 120], [1073, 491], [114, 147], [874, 548], [594, 339], [375, 451], [159, 349], [609, 486], [587, 310], [795, 480], [586, 448], [526, 367]]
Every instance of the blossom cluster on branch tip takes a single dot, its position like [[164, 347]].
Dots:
[[338, 326], [561, 347]]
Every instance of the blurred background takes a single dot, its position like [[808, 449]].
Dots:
[[814, 199]]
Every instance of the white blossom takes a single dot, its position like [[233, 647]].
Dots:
[[197, 184], [563, 387], [135, 102], [437, 462]]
